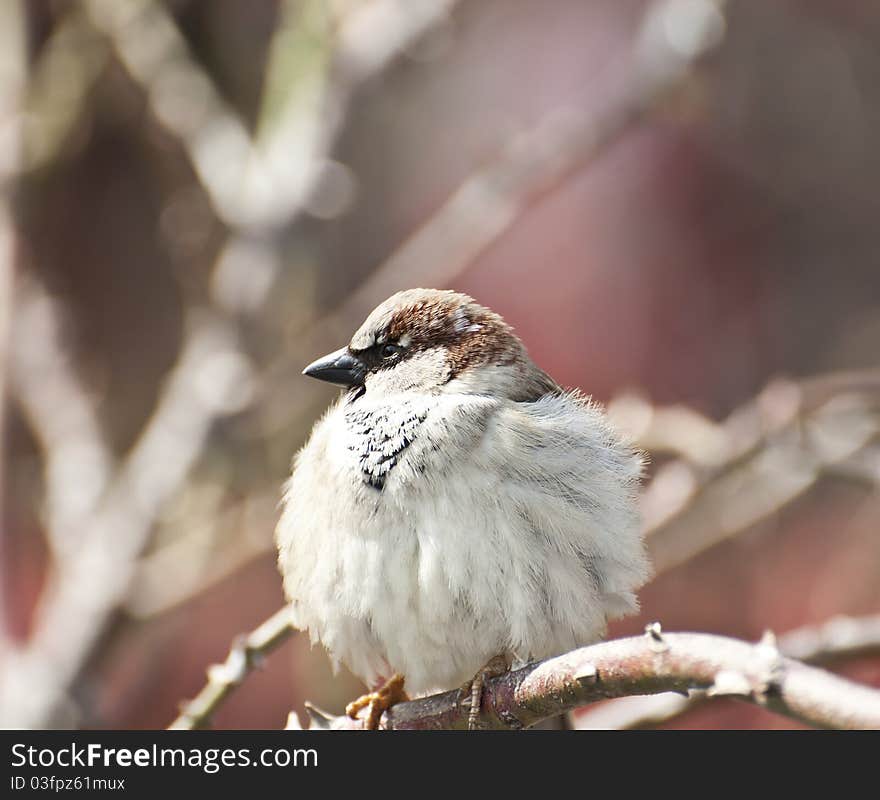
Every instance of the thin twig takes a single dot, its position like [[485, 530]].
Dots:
[[246, 653]]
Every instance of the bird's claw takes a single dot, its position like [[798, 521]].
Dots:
[[471, 693], [378, 702]]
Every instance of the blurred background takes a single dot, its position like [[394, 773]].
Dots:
[[675, 203]]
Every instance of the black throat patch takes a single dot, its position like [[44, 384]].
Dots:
[[380, 437]]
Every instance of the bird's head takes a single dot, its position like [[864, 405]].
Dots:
[[433, 341]]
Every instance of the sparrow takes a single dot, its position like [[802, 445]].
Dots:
[[455, 512]]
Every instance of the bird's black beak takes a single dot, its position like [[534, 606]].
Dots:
[[341, 368]]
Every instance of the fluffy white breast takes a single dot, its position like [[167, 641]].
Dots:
[[426, 534]]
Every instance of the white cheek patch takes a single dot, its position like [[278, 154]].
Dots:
[[425, 371]]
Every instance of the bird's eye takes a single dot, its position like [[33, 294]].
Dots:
[[390, 350]]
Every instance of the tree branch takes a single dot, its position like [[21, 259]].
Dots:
[[246, 653], [655, 662], [837, 640]]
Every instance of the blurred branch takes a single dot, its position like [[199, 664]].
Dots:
[[13, 37], [863, 468], [258, 185], [838, 640], [776, 448], [655, 662], [676, 430], [76, 460], [87, 586], [211, 548], [246, 653], [67, 67], [183, 97]]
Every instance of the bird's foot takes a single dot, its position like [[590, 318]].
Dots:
[[473, 689], [378, 702]]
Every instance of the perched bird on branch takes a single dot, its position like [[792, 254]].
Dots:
[[455, 511]]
